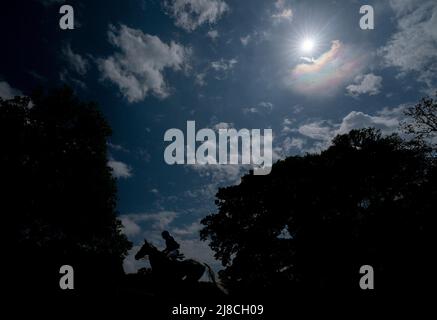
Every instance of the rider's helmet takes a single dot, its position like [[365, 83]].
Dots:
[[165, 234]]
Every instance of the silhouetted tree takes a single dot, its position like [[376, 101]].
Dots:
[[422, 118], [59, 196], [315, 219]]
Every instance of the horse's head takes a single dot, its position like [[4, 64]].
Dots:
[[145, 250]]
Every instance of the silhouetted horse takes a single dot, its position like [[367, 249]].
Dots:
[[188, 270]]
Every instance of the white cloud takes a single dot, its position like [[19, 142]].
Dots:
[[130, 227], [256, 37], [316, 136], [138, 68], [358, 119], [190, 14], [282, 12], [223, 65], [291, 143], [261, 107], [266, 105], [319, 130], [219, 68], [297, 108], [365, 84], [119, 169], [387, 120], [287, 121], [308, 59], [206, 192], [221, 174], [413, 48], [78, 63], [223, 125], [187, 230], [117, 147], [250, 110], [155, 220], [213, 34], [245, 40], [200, 79], [286, 125], [7, 92]]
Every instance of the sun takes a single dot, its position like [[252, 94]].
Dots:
[[307, 45], [306, 41]]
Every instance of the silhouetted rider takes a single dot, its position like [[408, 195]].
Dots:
[[172, 247]]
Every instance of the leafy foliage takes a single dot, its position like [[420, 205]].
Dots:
[[367, 199], [59, 195], [423, 118]]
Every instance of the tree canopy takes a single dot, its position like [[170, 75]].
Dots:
[[315, 219], [423, 118], [59, 194]]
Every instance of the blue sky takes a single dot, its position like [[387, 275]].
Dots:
[[154, 65]]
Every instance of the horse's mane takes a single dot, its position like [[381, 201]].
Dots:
[[152, 246]]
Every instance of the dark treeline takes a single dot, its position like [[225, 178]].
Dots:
[[58, 194], [308, 226]]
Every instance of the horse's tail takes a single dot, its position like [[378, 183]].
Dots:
[[212, 277]]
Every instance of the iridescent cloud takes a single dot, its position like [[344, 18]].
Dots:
[[329, 72]]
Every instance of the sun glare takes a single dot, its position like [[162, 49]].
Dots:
[[307, 45], [306, 41]]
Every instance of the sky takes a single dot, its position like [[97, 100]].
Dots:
[[304, 69]]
